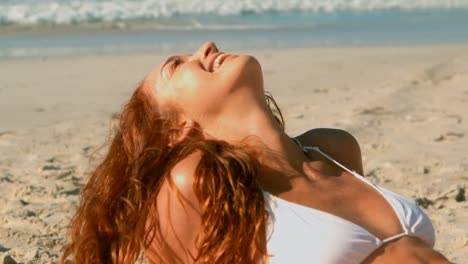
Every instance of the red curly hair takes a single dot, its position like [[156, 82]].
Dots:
[[111, 223]]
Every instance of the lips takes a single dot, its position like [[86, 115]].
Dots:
[[216, 61]]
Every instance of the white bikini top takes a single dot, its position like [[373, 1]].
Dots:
[[298, 234]]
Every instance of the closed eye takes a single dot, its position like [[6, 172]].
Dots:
[[171, 62], [176, 63]]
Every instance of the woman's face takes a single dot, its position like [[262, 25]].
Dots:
[[207, 83]]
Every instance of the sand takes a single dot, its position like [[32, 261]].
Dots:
[[407, 106]]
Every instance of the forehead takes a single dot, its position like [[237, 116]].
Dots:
[[153, 79]]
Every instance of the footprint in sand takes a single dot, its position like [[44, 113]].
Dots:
[[6, 137], [321, 90], [439, 73], [74, 191], [7, 178], [440, 200], [2, 133], [4, 249], [414, 118], [378, 110], [458, 118], [449, 136]]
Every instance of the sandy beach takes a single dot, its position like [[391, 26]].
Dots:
[[407, 106]]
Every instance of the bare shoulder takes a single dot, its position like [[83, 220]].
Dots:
[[182, 174], [179, 211], [177, 189], [337, 143]]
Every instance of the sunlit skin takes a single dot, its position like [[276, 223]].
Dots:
[[229, 104], [211, 99]]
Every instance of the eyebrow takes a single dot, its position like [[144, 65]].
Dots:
[[172, 58]]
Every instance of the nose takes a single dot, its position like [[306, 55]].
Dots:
[[206, 49]]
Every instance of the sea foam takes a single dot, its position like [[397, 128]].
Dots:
[[30, 12]]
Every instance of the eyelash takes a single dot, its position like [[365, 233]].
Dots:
[[176, 63]]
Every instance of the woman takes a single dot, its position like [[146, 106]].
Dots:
[[201, 171]]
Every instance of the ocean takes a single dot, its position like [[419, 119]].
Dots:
[[42, 28]]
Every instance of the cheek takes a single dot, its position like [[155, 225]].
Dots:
[[202, 93], [191, 84], [196, 91]]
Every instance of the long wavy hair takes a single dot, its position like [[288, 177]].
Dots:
[[111, 223]]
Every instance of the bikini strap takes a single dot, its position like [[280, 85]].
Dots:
[[306, 148]]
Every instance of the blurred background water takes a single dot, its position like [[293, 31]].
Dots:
[[32, 28]]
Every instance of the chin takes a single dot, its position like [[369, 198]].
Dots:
[[250, 62], [248, 71]]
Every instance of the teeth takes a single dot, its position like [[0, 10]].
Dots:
[[217, 62]]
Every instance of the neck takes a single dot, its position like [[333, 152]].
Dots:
[[279, 155]]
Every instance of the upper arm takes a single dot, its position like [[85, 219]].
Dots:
[[337, 143], [179, 212]]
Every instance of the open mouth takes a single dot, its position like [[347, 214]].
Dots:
[[218, 61]]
